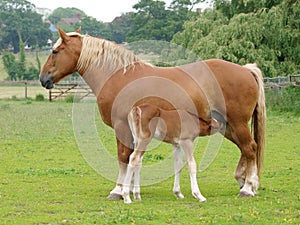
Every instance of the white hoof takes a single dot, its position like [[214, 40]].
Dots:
[[127, 199], [179, 195], [137, 197], [199, 197]]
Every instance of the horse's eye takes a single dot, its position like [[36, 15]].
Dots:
[[54, 52]]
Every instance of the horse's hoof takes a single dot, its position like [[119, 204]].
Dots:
[[203, 200], [244, 194], [137, 197], [127, 200], [115, 196], [179, 195]]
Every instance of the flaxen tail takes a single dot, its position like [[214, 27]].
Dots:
[[259, 117]]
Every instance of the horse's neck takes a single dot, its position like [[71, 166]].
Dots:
[[96, 80]]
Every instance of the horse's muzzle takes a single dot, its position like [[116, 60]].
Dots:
[[46, 81]]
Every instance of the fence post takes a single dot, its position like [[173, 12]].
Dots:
[[50, 97], [25, 89]]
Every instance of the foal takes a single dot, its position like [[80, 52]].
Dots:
[[177, 127]]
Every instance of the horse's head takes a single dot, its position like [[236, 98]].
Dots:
[[63, 59]]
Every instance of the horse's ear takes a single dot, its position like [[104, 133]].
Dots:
[[63, 35], [78, 30]]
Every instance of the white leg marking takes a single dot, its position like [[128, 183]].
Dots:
[[178, 165], [137, 180], [126, 184], [251, 183], [116, 193], [188, 148]]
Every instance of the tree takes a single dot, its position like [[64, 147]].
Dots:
[[94, 28], [269, 37], [153, 21], [233, 7], [16, 69], [119, 27], [19, 16]]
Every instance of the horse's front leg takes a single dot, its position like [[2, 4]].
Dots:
[[125, 148], [188, 148], [178, 165]]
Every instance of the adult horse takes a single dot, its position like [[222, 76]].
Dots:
[[120, 80]]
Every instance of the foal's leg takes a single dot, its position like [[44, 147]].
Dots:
[[178, 165], [137, 180], [188, 148], [132, 168]]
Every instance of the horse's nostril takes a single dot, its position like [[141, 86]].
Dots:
[[46, 82], [49, 84]]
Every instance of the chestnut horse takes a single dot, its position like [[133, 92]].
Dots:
[[120, 80], [178, 127]]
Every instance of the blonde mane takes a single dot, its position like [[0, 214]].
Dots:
[[97, 53]]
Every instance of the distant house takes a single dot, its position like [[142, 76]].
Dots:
[[69, 21]]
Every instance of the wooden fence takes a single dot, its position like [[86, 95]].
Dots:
[[62, 90], [280, 82], [82, 90]]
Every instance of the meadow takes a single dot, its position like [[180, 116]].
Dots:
[[44, 179]]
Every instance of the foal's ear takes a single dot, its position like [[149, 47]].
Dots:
[[63, 35], [78, 30]]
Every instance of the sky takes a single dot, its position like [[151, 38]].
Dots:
[[103, 10]]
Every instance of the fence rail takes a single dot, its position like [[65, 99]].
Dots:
[[280, 82], [64, 89]]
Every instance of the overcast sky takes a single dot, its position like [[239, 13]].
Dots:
[[103, 10]]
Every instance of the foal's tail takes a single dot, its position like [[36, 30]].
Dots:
[[259, 117]]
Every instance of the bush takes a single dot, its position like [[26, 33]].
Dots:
[[39, 97], [284, 100]]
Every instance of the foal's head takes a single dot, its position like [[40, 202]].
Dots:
[[63, 59]]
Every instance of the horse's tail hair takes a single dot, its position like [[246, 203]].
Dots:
[[259, 117]]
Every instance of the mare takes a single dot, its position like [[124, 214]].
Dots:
[[178, 127], [120, 80]]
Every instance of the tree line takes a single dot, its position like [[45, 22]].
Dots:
[[241, 31]]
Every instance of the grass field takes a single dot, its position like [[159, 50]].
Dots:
[[45, 180], [18, 91]]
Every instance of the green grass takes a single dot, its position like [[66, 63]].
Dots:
[[45, 180]]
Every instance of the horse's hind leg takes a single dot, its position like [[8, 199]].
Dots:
[[240, 172], [178, 165], [188, 148], [246, 171]]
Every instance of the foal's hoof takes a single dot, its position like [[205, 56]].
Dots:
[[179, 195], [244, 194], [115, 196], [137, 197]]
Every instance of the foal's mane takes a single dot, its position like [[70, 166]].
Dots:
[[97, 53]]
